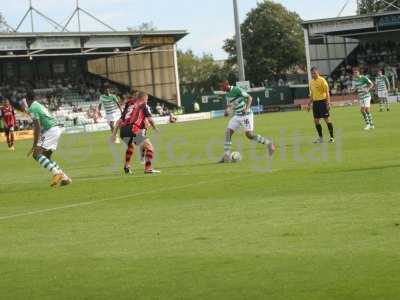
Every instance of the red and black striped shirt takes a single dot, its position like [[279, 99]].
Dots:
[[8, 115], [135, 113]]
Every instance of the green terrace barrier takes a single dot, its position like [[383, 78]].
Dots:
[[266, 97]]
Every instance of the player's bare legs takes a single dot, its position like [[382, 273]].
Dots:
[[43, 157], [384, 102], [113, 127], [261, 140], [365, 111], [142, 152], [12, 140], [318, 126], [227, 146], [128, 158], [329, 124], [7, 134], [251, 136], [149, 155]]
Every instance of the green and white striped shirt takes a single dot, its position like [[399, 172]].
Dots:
[[39, 112], [382, 83], [361, 84], [110, 103], [238, 98]]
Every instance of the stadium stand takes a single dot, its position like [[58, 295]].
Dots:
[[74, 101]]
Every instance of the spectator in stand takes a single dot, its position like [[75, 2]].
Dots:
[[398, 70], [166, 111], [159, 109], [196, 107], [93, 113], [348, 84], [172, 118], [330, 82]]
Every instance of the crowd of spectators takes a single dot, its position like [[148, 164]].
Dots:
[[341, 81], [162, 110], [73, 100], [374, 53], [54, 92], [369, 57]]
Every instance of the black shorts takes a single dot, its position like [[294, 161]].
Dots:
[[320, 110], [129, 137], [126, 132], [7, 130]]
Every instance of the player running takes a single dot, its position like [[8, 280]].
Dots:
[[46, 134], [239, 100], [135, 117], [382, 88], [112, 108], [362, 85], [7, 113]]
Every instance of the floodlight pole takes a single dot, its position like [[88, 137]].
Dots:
[[386, 2], [343, 8], [8, 26], [239, 45], [77, 11], [78, 15], [31, 10], [390, 4]]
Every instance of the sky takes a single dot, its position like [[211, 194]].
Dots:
[[209, 22]]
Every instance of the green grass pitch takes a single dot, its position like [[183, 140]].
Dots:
[[320, 222]]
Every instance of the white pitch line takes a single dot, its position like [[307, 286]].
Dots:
[[118, 176], [81, 204]]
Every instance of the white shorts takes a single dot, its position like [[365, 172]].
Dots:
[[366, 102], [383, 94], [49, 139], [114, 117], [247, 122]]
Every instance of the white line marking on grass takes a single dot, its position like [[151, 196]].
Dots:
[[82, 204], [119, 176]]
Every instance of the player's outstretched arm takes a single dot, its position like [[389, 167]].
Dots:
[[328, 95], [14, 117], [118, 104], [371, 85], [310, 101], [153, 124], [387, 84], [115, 130], [36, 134], [248, 105], [228, 109]]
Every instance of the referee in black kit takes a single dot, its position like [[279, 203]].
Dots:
[[320, 100]]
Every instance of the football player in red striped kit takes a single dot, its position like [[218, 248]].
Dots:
[[7, 113], [135, 117]]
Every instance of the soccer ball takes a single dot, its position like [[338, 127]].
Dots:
[[235, 157]]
